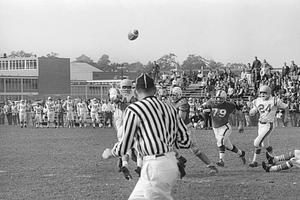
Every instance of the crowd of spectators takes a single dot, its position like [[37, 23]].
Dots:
[[242, 87]]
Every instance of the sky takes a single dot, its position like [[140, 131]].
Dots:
[[223, 30]]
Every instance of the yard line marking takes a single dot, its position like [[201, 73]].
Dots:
[[49, 175], [195, 180], [84, 176]]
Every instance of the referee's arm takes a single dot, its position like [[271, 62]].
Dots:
[[183, 140], [130, 124]]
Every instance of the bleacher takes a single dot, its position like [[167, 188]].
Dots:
[[194, 91]]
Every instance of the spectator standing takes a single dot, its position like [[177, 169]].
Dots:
[[285, 70], [256, 64], [8, 112], [294, 67]]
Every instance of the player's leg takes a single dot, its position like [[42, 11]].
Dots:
[[21, 119], [277, 168], [203, 157], [263, 131], [219, 135], [93, 117], [284, 157], [229, 146]]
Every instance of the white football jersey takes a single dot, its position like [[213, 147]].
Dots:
[[267, 108]]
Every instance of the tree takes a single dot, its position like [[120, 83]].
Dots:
[[52, 55], [104, 63], [84, 59], [20, 53], [168, 62], [136, 67], [193, 62], [215, 65]]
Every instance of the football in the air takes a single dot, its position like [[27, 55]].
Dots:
[[133, 34]]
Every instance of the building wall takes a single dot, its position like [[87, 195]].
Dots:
[[54, 76]]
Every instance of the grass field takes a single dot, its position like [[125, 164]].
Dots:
[[66, 164]]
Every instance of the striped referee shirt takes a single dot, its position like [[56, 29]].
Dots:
[[154, 125]]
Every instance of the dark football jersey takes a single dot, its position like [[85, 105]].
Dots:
[[220, 112], [183, 106]]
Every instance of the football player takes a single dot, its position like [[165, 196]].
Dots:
[[267, 106], [82, 113], [94, 107], [22, 113], [69, 107], [182, 105], [38, 109], [122, 98], [50, 107], [220, 111], [292, 158]]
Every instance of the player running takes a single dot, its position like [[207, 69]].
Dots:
[[292, 158], [220, 111], [267, 106], [122, 98], [183, 109]]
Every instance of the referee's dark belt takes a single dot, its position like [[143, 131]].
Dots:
[[159, 155], [151, 157], [265, 122]]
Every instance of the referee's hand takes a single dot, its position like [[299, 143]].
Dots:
[[107, 154]]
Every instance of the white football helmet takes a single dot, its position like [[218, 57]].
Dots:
[[264, 92], [126, 86], [176, 93], [220, 96]]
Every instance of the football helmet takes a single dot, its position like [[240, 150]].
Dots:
[[126, 86], [176, 93], [220, 96], [264, 92]]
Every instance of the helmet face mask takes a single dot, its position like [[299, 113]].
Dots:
[[264, 92], [220, 97], [126, 86], [219, 100], [176, 94]]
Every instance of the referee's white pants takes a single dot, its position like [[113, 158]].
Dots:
[[158, 176]]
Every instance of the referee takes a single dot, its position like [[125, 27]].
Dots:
[[157, 129]]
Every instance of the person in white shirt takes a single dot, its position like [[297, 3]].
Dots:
[[38, 109], [50, 108], [267, 106], [69, 107], [94, 107], [82, 113], [22, 113]]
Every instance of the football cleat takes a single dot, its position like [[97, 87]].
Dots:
[[138, 171], [266, 166], [243, 157], [221, 163], [253, 164], [126, 173], [270, 158], [213, 170]]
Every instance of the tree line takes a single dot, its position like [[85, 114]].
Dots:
[[167, 62]]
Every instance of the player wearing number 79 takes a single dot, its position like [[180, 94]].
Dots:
[[267, 106], [221, 109]]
